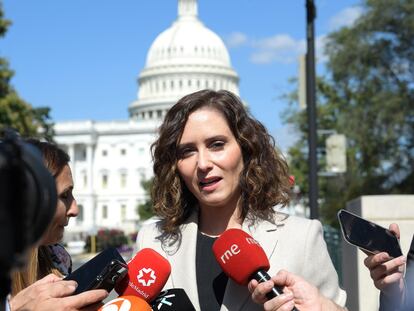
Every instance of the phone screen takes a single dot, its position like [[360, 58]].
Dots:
[[102, 271], [368, 235]]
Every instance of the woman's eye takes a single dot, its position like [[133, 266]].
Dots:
[[185, 153], [217, 145], [64, 195]]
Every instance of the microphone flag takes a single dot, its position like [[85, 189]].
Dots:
[[148, 272], [174, 299], [239, 255]]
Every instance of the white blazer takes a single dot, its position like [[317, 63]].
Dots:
[[292, 243]]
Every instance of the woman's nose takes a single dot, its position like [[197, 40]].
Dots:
[[73, 210], [204, 161]]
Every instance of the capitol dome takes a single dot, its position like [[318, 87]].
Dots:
[[184, 58]]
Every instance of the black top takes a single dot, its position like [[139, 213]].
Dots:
[[211, 280]]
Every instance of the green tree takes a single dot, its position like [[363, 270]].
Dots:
[[14, 111], [368, 95], [145, 210]]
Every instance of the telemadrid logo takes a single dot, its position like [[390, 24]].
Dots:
[[146, 276]]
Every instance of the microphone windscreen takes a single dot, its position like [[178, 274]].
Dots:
[[126, 303], [148, 272], [239, 255], [174, 299]]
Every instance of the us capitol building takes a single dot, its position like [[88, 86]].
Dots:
[[109, 160]]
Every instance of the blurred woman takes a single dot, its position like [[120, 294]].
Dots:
[[217, 168], [49, 256]]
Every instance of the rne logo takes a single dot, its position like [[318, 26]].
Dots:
[[250, 240], [233, 250]]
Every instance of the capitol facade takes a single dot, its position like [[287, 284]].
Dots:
[[110, 160]]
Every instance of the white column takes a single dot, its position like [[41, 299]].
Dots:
[[89, 162], [90, 182], [71, 153]]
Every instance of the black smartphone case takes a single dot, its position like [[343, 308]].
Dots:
[[368, 235], [104, 271]]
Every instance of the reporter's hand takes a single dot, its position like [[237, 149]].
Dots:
[[297, 292], [387, 272], [51, 293]]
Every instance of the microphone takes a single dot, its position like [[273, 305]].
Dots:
[[174, 299], [126, 303], [148, 272], [242, 258]]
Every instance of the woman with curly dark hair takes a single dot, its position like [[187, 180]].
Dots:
[[217, 168]]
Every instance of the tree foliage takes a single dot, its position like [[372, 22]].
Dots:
[[145, 209], [368, 95], [14, 111]]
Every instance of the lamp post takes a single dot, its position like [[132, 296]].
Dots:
[[311, 108]]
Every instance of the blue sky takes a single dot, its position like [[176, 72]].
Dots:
[[82, 58]]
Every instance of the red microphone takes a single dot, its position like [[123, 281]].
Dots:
[[126, 303], [148, 272], [242, 258]]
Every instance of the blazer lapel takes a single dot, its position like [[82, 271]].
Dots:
[[237, 296], [183, 260], [264, 233]]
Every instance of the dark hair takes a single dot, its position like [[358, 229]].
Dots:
[[264, 181], [54, 157]]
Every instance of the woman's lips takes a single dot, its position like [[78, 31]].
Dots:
[[209, 184]]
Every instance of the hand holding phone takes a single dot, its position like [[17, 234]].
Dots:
[[367, 235]]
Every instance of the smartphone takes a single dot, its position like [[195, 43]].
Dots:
[[367, 235], [103, 271]]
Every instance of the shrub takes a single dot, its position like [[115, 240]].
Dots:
[[107, 238]]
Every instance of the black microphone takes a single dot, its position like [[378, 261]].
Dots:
[[174, 299]]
